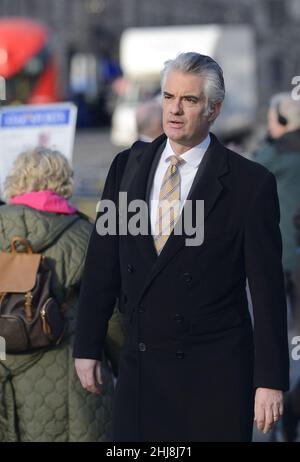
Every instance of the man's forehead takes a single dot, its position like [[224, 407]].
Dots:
[[184, 82]]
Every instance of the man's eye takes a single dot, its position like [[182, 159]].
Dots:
[[190, 100], [167, 96]]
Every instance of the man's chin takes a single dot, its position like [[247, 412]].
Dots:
[[174, 136]]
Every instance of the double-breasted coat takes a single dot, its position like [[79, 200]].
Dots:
[[191, 361]]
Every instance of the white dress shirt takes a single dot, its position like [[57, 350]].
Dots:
[[188, 170]]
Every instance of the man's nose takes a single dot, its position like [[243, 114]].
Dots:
[[176, 107]]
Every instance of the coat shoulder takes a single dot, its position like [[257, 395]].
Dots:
[[120, 161], [247, 169]]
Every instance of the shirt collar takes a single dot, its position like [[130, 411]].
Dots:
[[192, 157]]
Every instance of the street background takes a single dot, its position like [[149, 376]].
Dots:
[[93, 154], [79, 60]]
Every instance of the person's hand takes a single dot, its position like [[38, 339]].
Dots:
[[89, 373], [268, 408]]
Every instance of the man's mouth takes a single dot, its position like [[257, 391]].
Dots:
[[175, 123]]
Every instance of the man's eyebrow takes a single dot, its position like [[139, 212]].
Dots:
[[198, 98], [192, 96]]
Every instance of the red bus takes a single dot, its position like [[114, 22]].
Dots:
[[26, 62]]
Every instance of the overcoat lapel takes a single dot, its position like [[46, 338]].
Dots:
[[140, 189]]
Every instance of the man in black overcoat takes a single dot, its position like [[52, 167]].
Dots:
[[192, 368]]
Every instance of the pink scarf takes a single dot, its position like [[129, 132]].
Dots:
[[46, 201]]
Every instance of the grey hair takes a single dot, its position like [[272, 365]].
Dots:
[[39, 169], [204, 66], [288, 108]]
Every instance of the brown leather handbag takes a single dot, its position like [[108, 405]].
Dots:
[[30, 316]]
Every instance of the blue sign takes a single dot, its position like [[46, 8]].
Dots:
[[34, 118]]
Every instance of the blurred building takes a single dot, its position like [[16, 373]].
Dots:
[[95, 26]]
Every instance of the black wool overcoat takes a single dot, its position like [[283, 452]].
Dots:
[[191, 361]]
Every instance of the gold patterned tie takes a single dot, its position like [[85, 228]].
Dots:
[[169, 203]]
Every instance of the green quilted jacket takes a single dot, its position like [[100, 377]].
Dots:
[[41, 398]]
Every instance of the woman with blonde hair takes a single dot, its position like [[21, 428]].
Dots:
[[40, 396]]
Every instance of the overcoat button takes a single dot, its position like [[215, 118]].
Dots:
[[180, 354], [130, 268], [141, 309], [187, 277], [178, 318], [142, 347]]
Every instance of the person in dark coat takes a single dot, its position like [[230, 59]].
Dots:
[[191, 367], [291, 416], [281, 155], [296, 277]]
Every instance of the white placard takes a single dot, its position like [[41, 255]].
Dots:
[[25, 127]]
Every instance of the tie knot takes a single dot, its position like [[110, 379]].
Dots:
[[176, 161]]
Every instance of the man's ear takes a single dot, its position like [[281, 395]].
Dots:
[[215, 111]]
